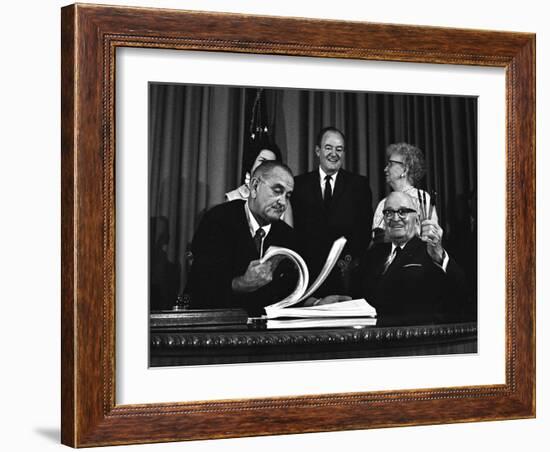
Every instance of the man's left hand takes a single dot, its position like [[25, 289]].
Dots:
[[326, 300], [432, 234]]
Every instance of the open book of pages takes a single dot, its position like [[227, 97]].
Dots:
[[352, 308]]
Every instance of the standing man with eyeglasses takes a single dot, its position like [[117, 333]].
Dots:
[[411, 277], [330, 202], [231, 239]]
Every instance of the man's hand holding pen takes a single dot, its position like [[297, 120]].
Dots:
[[432, 234], [430, 231], [433, 195], [426, 212]]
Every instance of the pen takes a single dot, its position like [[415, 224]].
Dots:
[[422, 200], [432, 202]]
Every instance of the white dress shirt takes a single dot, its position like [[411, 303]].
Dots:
[[322, 176]]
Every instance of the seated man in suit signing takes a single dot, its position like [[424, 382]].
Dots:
[[232, 237], [411, 278]]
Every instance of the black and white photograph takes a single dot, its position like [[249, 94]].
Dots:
[[291, 224]]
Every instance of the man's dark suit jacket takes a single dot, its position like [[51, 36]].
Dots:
[[413, 288], [222, 249], [350, 215]]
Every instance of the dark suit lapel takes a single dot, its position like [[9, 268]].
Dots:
[[276, 236], [385, 250], [406, 254], [340, 186], [245, 237], [315, 187], [272, 237]]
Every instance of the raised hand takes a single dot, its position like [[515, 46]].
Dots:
[[432, 234]]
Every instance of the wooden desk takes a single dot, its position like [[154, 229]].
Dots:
[[176, 346]]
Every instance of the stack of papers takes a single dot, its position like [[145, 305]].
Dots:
[[351, 308]]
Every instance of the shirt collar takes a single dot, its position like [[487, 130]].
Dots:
[[394, 246], [253, 225], [322, 175]]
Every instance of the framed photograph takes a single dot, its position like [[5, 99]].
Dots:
[[165, 112]]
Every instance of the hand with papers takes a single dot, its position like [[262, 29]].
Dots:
[[331, 306], [257, 275], [311, 301]]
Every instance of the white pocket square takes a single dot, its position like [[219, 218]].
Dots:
[[412, 265]]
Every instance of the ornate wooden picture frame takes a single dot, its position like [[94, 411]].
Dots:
[[90, 37]]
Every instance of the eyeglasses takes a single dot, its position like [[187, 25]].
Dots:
[[391, 162], [401, 213]]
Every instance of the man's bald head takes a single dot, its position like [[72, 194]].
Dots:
[[400, 198]]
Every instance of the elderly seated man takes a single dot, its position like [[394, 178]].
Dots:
[[411, 278]]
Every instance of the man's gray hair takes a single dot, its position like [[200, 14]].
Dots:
[[410, 200], [325, 130], [267, 167]]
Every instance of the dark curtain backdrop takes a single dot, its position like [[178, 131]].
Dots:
[[198, 134]]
